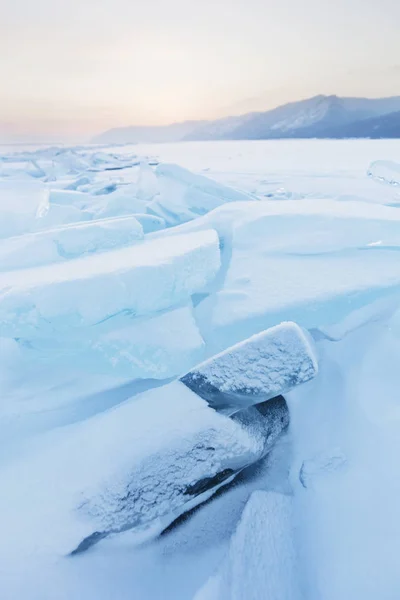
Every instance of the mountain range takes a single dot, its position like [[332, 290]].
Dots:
[[317, 117]]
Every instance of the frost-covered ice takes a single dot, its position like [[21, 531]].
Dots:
[[126, 468], [265, 365]]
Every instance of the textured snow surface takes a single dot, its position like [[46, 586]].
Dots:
[[266, 365], [344, 475], [97, 434], [261, 561]]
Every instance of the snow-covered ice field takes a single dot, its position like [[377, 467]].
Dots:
[[123, 268]]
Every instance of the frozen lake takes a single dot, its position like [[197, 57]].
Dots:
[[121, 269], [246, 161]]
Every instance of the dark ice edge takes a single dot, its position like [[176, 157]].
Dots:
[[227, 402]]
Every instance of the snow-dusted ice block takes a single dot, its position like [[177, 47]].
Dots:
[[261, 562], [21, 202], [97, 236], [70, 161], [123, 201], [385, 171], [138, 280], [262, 367], [291, 260], [184, 196], [150, 223], [159, 347], [107, 161], [100, 200], [137, 466], [76, 183], [70, 241], [187, 468], [147, 185], [68, 197], [58, 215], [171, 474]]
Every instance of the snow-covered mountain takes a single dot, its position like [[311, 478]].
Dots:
[[320, 116], [313, 117], [383, 126]]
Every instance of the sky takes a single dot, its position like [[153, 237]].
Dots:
[[73, 68]]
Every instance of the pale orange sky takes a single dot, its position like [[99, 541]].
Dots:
[[72, 69]]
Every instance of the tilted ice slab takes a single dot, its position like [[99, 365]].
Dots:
[[171, 480], [158, 346], [137, 466], [69, 198], [261, 561], [59, 215], [311, 262], [70, 241], [150, 223], [147, 184], [108, 198], [183, 195], [70, 378], [107, 161], [304, 255], [123, 201], [25, 208], [54, 163], [21, 203], [137, 280], [263, 366], [302, 227], [20, 170]]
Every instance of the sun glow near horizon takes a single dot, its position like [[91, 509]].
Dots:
[[72, 71]]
